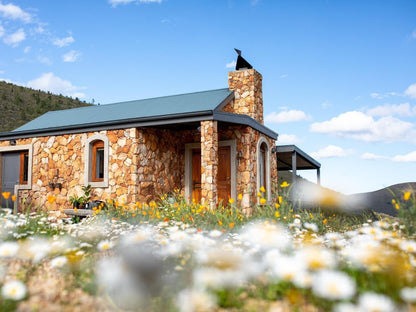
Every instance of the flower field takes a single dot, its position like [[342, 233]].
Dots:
[[174, 256]]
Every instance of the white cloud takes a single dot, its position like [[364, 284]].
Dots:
[[381, 96], [371, 156], [331, 151], [231, 64], [286, 116], [14, 12], [414, 34], [326, 104], [2, 31], [283, 76], [288, 139], [403, 109], [27, 49], [411, 91], [114, 3], [44, 60], [71, 56], [50, 82], [15, 38], [63, 42], [358, 125], [411, 157]]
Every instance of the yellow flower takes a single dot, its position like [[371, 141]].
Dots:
[[231, 225], [325, 221], [393, 201], [262, 189], [276, 205], [231, 200], [240, 196], [284, 184], [6, 195], [13, 197], [263, 201], [51, 199], [406, 196], [280, 199], [396, 205], [277, 214], [219, 222], [258, 194]]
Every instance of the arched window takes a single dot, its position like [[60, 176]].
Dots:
[[96, 161], [263, 167]]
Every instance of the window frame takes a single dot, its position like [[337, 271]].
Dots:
[[24, 154], [267, 172], [90, 160]]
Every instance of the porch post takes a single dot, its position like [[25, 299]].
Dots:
[[209, 162], [318, 176], [294, 166]]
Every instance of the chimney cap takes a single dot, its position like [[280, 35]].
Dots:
[[241, 62]]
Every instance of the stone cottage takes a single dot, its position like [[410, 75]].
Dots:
[[212, 145]]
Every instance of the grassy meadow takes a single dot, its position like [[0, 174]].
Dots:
[[171, 255]]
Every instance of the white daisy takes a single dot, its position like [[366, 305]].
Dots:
[[372, 302], [8, 249], [59, 262], [14, 290], [333, 285]]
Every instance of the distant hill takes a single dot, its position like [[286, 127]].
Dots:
[[380, 200], [377, 201], [19, 105]]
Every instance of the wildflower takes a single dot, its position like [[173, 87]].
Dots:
[[287, 268], [262, 189], [406, 196], [317, 258], [277, 214], [240, 196], [219, 222], [263, 201], [373, 302], [333, 285], [408, 246], [284, 184], [396, 205], [280, 199], [408, 294], [8, 249], [190, 300], [13, 197], [59, 262], [6, 195], [231, 200], [51, 199], [259, 194], [310, 226], [276, 205], [231, 225], [104, 245], [14, 290]]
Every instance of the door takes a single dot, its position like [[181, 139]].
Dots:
[[10, 176], [196, 175], [224, 174]]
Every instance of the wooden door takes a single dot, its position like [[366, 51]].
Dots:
[[196, 175], [224, 173]]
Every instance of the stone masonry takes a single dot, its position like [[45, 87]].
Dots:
[[247, 86], [209, 162]]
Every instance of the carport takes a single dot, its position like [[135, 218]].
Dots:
[[291, 157]]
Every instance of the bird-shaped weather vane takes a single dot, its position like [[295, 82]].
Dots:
[[241, 62]]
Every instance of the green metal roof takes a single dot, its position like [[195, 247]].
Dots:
[[161, 107]]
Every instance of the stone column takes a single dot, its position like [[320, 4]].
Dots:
[[209, 162]]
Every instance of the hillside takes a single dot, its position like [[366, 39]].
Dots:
[[19, 105], [308, 194]]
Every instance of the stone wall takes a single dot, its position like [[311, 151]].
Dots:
[[247, 86]]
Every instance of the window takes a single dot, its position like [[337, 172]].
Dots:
[[24, 167], [263, 167], [98, 161]]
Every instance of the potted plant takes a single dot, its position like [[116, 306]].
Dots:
[[83, 200], [75, 200]]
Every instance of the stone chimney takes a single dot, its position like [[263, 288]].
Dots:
[[247, 87]]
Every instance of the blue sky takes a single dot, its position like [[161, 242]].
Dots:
[[339, 77]]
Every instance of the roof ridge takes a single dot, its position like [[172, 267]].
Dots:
[[131, 101]]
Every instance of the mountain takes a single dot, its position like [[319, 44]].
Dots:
[[19, 105]]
